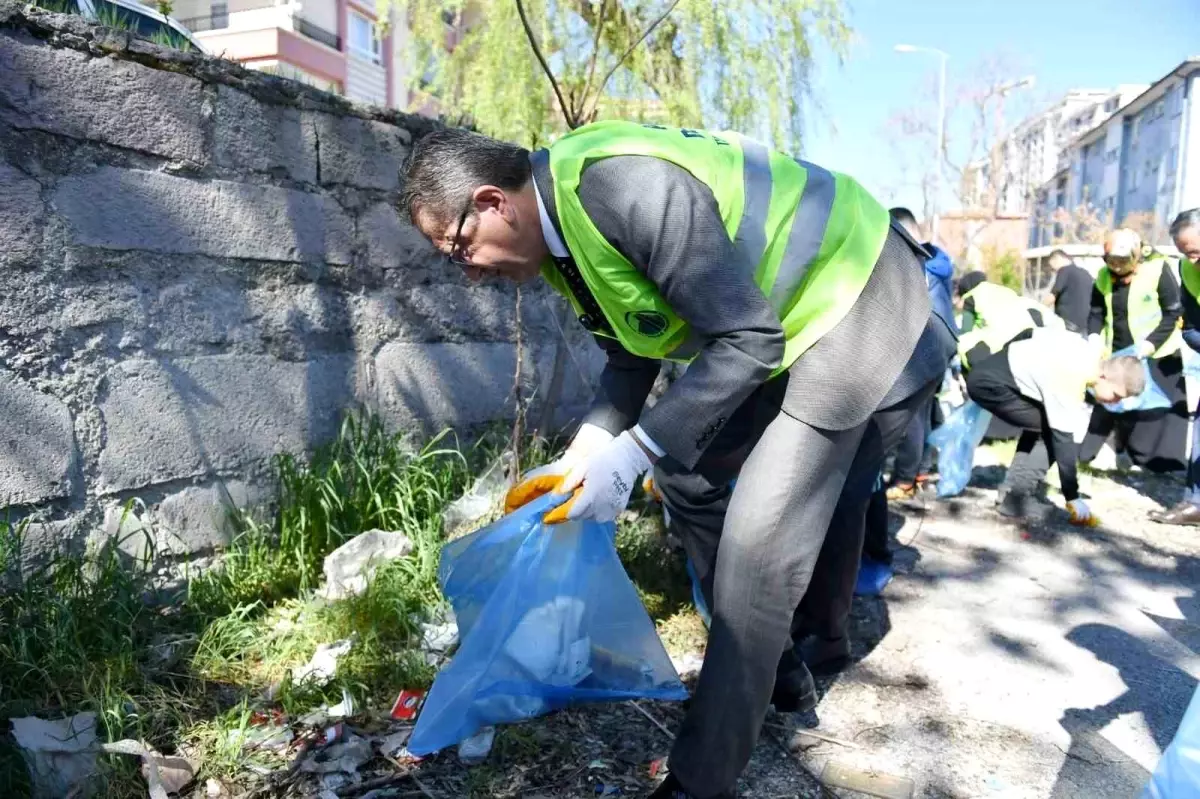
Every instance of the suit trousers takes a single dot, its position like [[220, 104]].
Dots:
[[776, 555]]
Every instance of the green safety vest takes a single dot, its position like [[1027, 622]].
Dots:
[[811, 236], [1189, 273], [1001, 315], [1144, 312]]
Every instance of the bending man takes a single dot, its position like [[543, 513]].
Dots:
[[804, 315]]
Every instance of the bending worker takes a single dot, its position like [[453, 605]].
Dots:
[[1039, 384], [1135, 304], [992, 316], [1185, 230], [804, 315]]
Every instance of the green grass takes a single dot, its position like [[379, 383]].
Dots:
[[78, 634]]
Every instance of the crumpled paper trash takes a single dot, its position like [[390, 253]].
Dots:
[[351, 566], [163, 774], [60, 755], [483, 497], [322, 666]]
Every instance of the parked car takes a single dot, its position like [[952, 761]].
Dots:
[[131, 15]]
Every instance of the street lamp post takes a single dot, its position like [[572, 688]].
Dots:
[[941, 129]]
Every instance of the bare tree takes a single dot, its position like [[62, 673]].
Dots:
[[975, 161]]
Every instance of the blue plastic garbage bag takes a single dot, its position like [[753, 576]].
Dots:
[[1178, 772], [1150, 399], [547, 617], [956, 441]]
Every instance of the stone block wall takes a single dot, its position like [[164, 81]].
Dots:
[[203, 267]]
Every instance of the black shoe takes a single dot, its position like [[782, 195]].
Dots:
[[1023, 506], [795, 692], [671, 789], [825, 656]]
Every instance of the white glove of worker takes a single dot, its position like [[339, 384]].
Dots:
[[605, 480], [1145, 349], [545, 479], [589, 439], [1081, 515]]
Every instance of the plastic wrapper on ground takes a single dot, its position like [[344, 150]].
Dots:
[[547, 618]]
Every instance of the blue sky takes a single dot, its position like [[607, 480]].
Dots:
[[1064, 43]]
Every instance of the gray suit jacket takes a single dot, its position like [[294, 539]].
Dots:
[[667, 224]]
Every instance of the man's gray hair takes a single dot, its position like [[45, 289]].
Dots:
[[1126, 371], [1185, 221], [446, 166]]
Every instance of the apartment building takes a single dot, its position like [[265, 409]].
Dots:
[[1142, 161], [332, 44], [1029, 157]]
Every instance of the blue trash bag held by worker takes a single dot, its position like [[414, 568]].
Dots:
[[956, 441], [1178, 771], [547, 618], [1152, 398]]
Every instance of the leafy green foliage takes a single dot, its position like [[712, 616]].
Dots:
[[1005, 267], [168, 38], [744, 66]]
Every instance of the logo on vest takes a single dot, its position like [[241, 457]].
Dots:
[[647, 323]]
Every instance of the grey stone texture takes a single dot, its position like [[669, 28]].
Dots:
[[115, 102], [254, 136], [23, 212], [191, 417], [126, 209], [205, 267], [37, 444]]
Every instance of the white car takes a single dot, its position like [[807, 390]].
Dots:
[[131, 15]]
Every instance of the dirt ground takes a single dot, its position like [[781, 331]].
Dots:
[[1004, 660]]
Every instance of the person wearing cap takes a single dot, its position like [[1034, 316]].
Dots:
[[1136, 307], [1185, 231], [1039, 383], [803, 314]]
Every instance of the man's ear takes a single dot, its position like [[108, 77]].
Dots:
[[492, 198]]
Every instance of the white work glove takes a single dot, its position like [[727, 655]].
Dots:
[[1145, 349], [602, 482], [545, 479], [1081, 515]]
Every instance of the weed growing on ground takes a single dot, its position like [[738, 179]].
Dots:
[[78, 634]]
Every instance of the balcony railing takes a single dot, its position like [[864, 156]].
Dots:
[[302, 26], [316, 33]]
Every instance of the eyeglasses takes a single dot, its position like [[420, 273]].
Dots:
[[455, 247]]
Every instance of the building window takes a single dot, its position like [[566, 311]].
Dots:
[[1110, 104], [363, 40]]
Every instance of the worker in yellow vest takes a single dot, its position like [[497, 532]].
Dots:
[[1185, 231], [1135, 305], [992, 316], [804, 315]]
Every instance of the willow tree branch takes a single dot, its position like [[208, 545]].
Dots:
[[628, 52], [591, 73], [537, 51]]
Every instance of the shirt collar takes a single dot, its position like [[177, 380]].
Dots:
[[554, 242]]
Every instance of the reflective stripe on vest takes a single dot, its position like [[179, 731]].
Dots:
[[1143, 313], [806, 236], [811, 237]]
